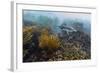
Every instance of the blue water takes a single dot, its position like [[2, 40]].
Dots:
[[55, 19]]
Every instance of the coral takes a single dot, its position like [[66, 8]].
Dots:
[[72, 51], [49, 41], [27, 35], [42, 44]]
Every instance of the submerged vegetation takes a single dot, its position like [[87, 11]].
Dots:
[[40, 44], [46, 41]]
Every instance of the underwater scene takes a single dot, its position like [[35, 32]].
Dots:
[[56, 36]]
